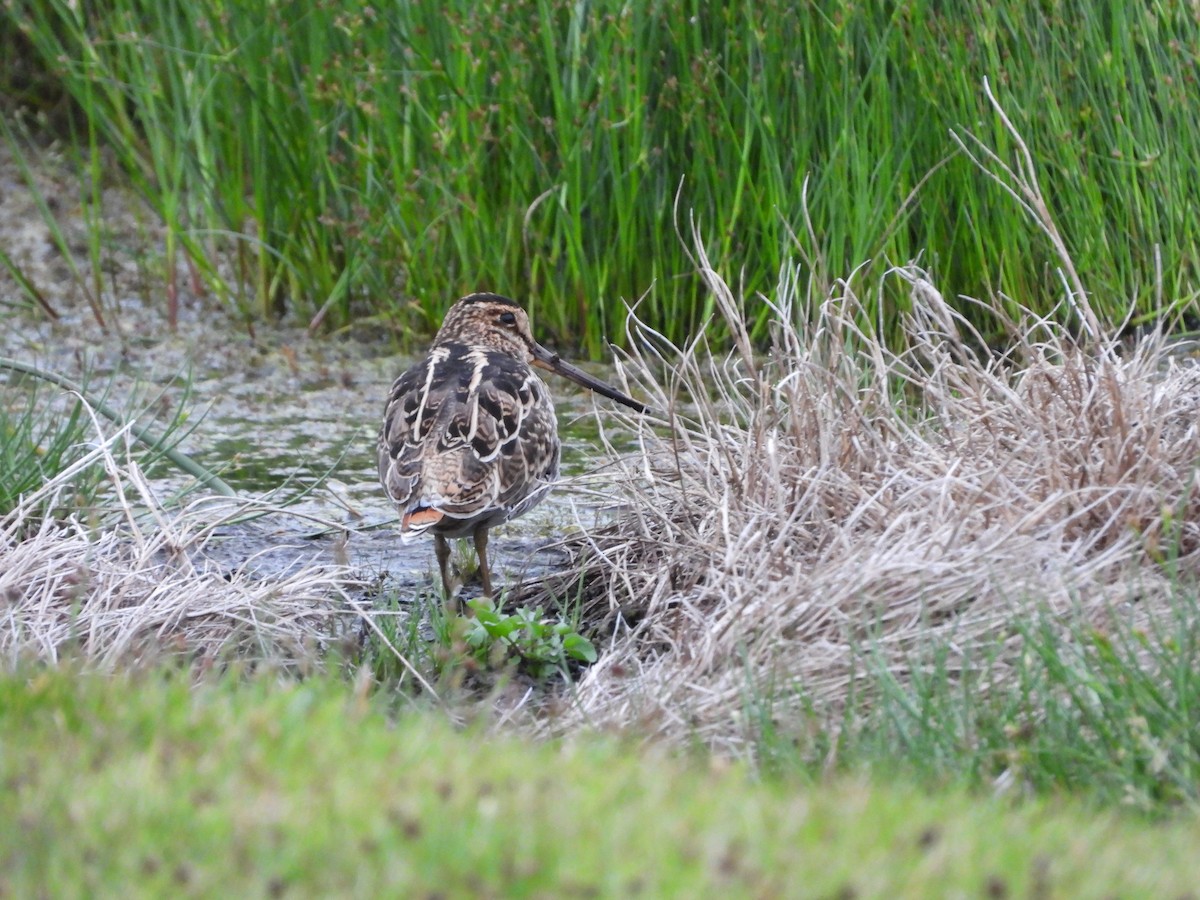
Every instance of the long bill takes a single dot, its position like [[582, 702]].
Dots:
[[552, 362]]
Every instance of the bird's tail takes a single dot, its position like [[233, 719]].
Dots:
[[417, 521]]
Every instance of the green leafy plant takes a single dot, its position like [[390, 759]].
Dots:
[[451, 647], [541, 645]]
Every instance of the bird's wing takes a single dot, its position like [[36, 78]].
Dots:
[[465, 432]]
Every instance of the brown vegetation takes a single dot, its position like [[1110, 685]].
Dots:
[[140, 589], [834, 495]]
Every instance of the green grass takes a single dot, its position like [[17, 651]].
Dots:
[[36, 446], [1049, 707], [49, 438], [371, 162], [146, 783]]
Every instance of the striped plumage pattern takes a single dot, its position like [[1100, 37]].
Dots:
[[469, 437]]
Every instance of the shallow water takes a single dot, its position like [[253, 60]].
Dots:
[[281, 412]]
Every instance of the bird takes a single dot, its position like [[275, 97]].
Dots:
[[469, 437]]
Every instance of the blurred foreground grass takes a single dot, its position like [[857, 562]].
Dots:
[[283, 788]]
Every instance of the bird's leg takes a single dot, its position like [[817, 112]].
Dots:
[[481, 542], [441, 549]]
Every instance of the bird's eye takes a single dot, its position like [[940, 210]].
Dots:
[[507, 318]]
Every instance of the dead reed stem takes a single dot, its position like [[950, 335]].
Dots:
[[140, 587], [794, 508]]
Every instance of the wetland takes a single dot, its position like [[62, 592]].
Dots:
[[902, 563]]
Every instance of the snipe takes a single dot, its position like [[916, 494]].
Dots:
[[469, 437]]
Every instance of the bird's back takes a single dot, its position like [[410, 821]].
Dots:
[[469, 437]]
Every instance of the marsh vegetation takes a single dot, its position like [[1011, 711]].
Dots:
[[910, 536]]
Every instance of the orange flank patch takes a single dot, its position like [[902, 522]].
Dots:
[[422, 517]]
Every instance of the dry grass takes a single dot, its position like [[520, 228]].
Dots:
[[835, 495], [139, 588], [784, 512], [794, 508]]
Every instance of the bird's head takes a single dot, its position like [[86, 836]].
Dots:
[[494, 322]]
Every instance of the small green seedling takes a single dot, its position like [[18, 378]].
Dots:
[[543, 646]]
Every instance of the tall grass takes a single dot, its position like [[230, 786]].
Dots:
[[842, 492], [373, 161], [38, 443], [48, 433]]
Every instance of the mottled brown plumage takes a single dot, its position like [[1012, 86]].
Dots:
[[469, 437]]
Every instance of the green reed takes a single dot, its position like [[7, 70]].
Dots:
[[49, 424], [371, 162]]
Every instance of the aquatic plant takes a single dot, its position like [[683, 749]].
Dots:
[[367, 162]]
